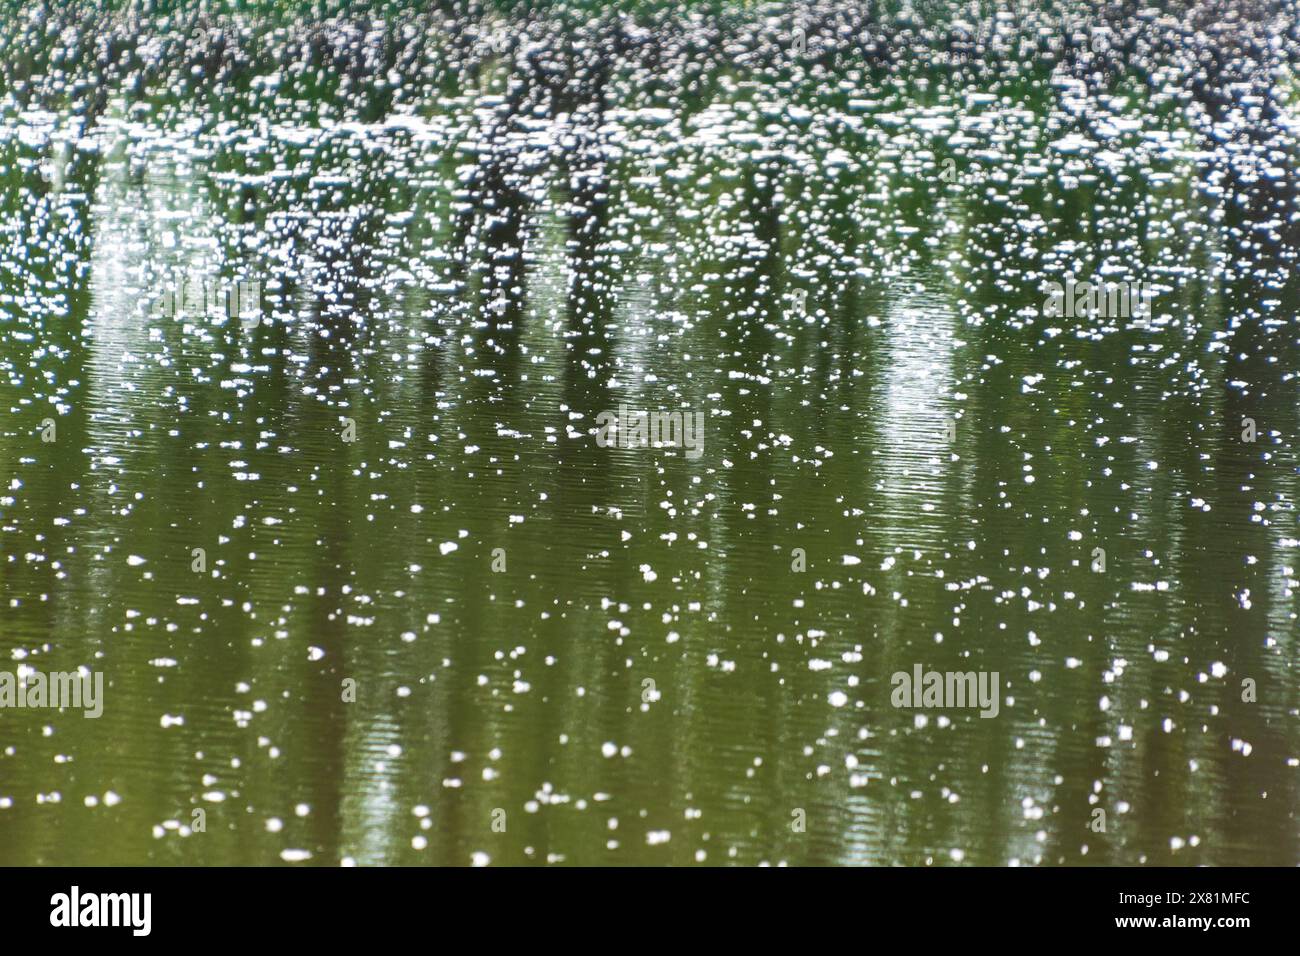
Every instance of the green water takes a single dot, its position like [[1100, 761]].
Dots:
[[905, 462]]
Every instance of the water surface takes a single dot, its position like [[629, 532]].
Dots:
[[474, 237]]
